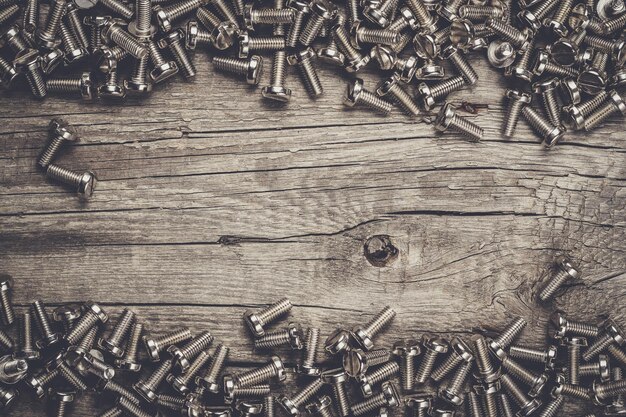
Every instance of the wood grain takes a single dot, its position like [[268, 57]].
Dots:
[[211, 201]]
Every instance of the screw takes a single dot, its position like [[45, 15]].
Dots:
[[130, 360], [566, 269], [309, 366], [12, 370], [210, 378], [615, 47], [430, 95], [155, 345], [291, 336], [274, 368], [478, 12], [419, 406], [30, 18], [487, 372], [448, 119], [501, 54], [321, 12], [83, 85], [357, 361], [131, 408], [257, 321], [278, 92], [532, 16], [360, 35], [527, 405], [474, 406], [92, 312], [142, 27], [576, 114], [174, 41], [407, 351], [543, 66], [301, 10], [39, 382], [460, 63], [611, 334], [108, 58], [505, 405], [607, 390], [453, 392], [363, 335], [221, 36], [517, 101], [601, 368], [29, 63], [183, 356], [114, 344], [551, 136], [252, 16], [226, 11], [613, 25], [13, 38], [231, 392], [355, 60], [75, 354], [147, 388], [427, 21], [63, 400], [7, 396], [387, 397], [293, 403], [557, 22], [322, 407], [520, 68], [406, 19], [247, 409], [375, 376], [548, 90], [574, 346], [138, 82], [593, 79], [570, 91], [337, 342], [67, 373], [114, 33], [61, 132], [617, 406], [615, 105], [93, 363], [47, 36], [96, 23], [461, 353], [617, 353], [49, 336], [547, 356], [166, 16], [83, 183], [337, 378], [565, 50], [434, 347], [520, 39], [428, 45], [553, 407], [118, 7], [75, 22], [304, 60], [391, 87], [380, 13], [182, 383], [171, 402], [6, 307], [576, 391], [26, 350], [249, 44], [536, 382], [162, 69], [8, 73]]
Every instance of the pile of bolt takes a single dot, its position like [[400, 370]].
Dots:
[[60, 132], [79, 355]]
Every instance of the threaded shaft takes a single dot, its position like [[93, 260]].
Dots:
[[518, 371], [225, 9], [78, 29], [475, 409], [589, 369], [613, 25], [407, 372], [172, 402], [199, 343], [562, 276], [143, 15], [544, 7], [475, 12], [69, 42], [217, 365], [72, 377], [26, 333], [310, 78], [483, 360], [132, 408], [459, 377], [255, 391], [155, 54], [181, 8], [610, 389], [295, 29], [17, 43], [599, 43], [421, 13], [573, 356], [87, 342], [57, 85], [374, 102], [202, 359], [555, 69], [36, 81], [464, 67], [272, 339], [552, 107], [600, 61], [528, 354], [341, 396], [600, 344], [311, 346], [116, 6], [311, 29], [514, 110], [586, 109], [5, 341], [95, 38], [208, 19], [404, 100], [505, 406], [31, 16], [512, 388], [159, 374], [563, 10], [46, 377], [576, 391], [426, 366], [114, 387], [368, 405], [466, 128], [552, 407], [377, 36], [524, 60], [122, 327], [62, 409], [128, 42], [279, 68], [185, 64], [446, 367], [383, 372], [132, 347], [43, 321], [65, 176], [256, 376], [443, 88], [269, 406], [601, 114], [5, 67], [272, 16], [267, 43], [543, 127], [100, 368], [506, 32], [341, 36], [307, 392], [54, 18], [617, 354], [52, 149], [112, 412], [173, 338], [140, 70]]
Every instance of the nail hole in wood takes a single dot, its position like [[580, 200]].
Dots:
[[380, 251]]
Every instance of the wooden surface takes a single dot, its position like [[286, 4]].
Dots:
[[211, 200]]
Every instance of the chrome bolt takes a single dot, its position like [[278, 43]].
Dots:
[[546, 357], [183, 356], [147, 388], [376, 376], [92, 313], [274, 369], [527, 405], [166, 16], [430, 95], [112, 88], [337, 378], [615, 105], [357, 95], [576, 115], [96, 23], [131, 408], [162, 69], [249, 44], [548, 91], [12, 370], [355, 61], [182, 383], [142, 27], [391, 87], [292, 404], [551, 136], [47, 36], [569, 390], [114, 344], [74, 52], [357, 361], [63, 400], [407, 351], [427, 21], [7, 314], [114, 33], [566, 269], [26, 348], [557, 22], [253, 17], [311, 345], [363, 335], [601, 368], [28, 62], [48, 336], [257, 321], [304, 60], [434, 346], [321, 12], [139, 82], [174, 42], [301, 10], [83, 85], [419, 406], [251, 68], [520, 39], [461, 63], [487, 372], [118, 7], [292, 336], [8, 73], [536, 382], [517, 101], [460, 353], [130, 361], [387, 397], [73, 17], [448, 119], [501, 54], [210, 379], [155, 345], [611, 334], [453, 392]]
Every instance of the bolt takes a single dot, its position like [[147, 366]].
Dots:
[[543, 66], [419, 406], [13, 37], [130, 361], [473, 405], [406, 19], [407, 351], [360, 35], [576, 115], [430, 95], [74, 52], [183, 356], [520, 39], [574, 346], [30, 17], [434, 347], [321, 12], [527, 405], [174, 42], [501, 54], [617, 354], [252, 16], [357, 361], [576, 391], [142, 27], [6, 344], [461, 353], [375, 376], [363, 335], [551, 136], [166, 16], [478, 12], [75, 354], [75, 22], [291, 336], [8, 73], [96, 23], [63, 400], [221, 36], [427, 21], [613, 25], [548, 91], [74, 379], [47, 36], [607, 390], [113, 32], [48, 336], [248, 409], [12, 370], [536, 382], [553, 407], [337, 379], [380, 13], [92, 312], [617, 405], [147, 388], [615, 105], [155, 345], [26, 349], [39, 382], [28, 62], [300, 11], [93, 363], [337, 342], [210, 378], [387, 397], [131, 408], [428, 45], [83, 183], [292, 404], [309, 366], [162, 69], [611, 334], [182, 383], [391, 87], [249, 44], [517, 101], [546, 357], [601, 368], [533, 16], [487, 372], [448, 119], [593, 79], [460, 63], [557, 22], [232, 392], [566, 269], [304, 60], [453, 393], [257, 321], [274, 369], [565, 50], [6, 307], [355, 60], [138, 82], [449, 9], [226, 11], [60, 132], [108, 57], [7, 397]]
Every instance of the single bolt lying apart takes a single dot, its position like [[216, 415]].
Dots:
[[448, 119]]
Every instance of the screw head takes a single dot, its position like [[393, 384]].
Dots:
[[34, 383], [323, 9], [529, 408], [618, 101], [390, 393], [27, 60], [540, 62], [618, 80], [279, 367], [558, 28], [545, 86], [66, 313], [224, 35], [163, 19], [334, 376], [331, 56], [573, 116], [570, 90], [461, 33], [518, 95], [191, 35], [564, 52], [10, 33], [615, 331], [355, 362], [425, 46], [248, 409], [605, 367], [299, 6], [255, 70], [288, 405], [339, 340], [554, 136], [538, 385], [444, 117], [229, 388], [217, 412], [592, 81], [568, 266], [386, 85], [97, 310], [6, 282], [163, 71], [452, 397], [492, 387], [374, 15], [295, 336], [462, 349], [145, 391], [277, 93], [436, 344], [384, 55], [254, 323], [529, 19], [358, 64], [420, 402], [179, 358], [111, 91], [244, 44], [501, 54], [317, 407], [359, 335]]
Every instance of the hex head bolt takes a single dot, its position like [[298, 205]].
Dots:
[[174, 41], [536, 382], [12, 370], [615, 105], [166, 16], [131, 408], [429, 96], [433, 346], [562, 388], [388, 397], [615, 47], [406, 351], [48, 336], [577, 114], [305, 61], [147, 388], [114, 343], [96, 24], [309, 364], [7, 396], [551, 136], [93, 314], [258, 320], [113, 32], [601, 368], [363, 335], [448, 119], [376, 376], [321, 12], [292, 404], [453, 393], [28, 62], [74, 52], [392, 88], [527, 405], [487, 372], [612, 334], [337, 342], [182, 383], [405, 19], [82, 183], [427, 21], [6, 307], [354, 60], [357, 361], [8, 73], [533, 16], [461, 63], [566, 268], [546, 356], [76, 353], [557, 22], [26, 349], [130, 360], [61, 132], [602, 392], [39, 382], [517, 100], [357, 95], [380, 13], [210, 379], [183, 356], [561, 327], [263, 374], [47, 37], [337, 379], [460, 353]]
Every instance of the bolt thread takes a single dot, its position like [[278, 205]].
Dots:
[[589, 369], [140, 75], [5, 66], [491, 405], [272, 16], [407, 372], [341, 36], [279, 67], [552, 407], [610, 389], [604, 341], [185, 64], [26, 333], [17, 43], [307, 392], [353, 11], [475, 409], [374, 102], [466, 128], [88, 320], [378, 36], [446, 367], [295, 29], [95, 38], [617, 354], [380, 320], [543, 127], [208, 19], [256, 376], [343, 402], [600, 60], [36, 82], [404, 100], [182, 8], [506, 32], [62, 409], [512, 388], [616, 374], [77, 27], [388, 7], [202, 359], [562, 276], [595, 24], [173, 338], [465, 68], [195, 346], [128, 42], [311, 29], [132, 408], [575, 391], [443, 88], [552, 107], [556, 69], [421, 13], [114, 387], [269, 406], [426, 366], [217, 365], [513, 112], [311, 80], [88, 341], [527, 354], [124, 324], [69, 42], [118, 7], [311, 346], [159, 374], [459, 377], [573, 355], [252, 391], [57, 85], [204, 38], [112, 412], [586, 109], [613, 25], [404, 40], [72, 377], [524, 60], [505, 406], [483, 360], [155, 54], [42, 319], [518, 371], [6, 308], [225, 9], [143, 15], [132, 347], [368, 405], [31, 15], [272, 339], [599, 43], [54, 18], [475, 12], [544, 8], [267, 43], [562, 11], [398, 25], [64, 176], [383, 373], [482, 31], [46, 377], [171, 402]]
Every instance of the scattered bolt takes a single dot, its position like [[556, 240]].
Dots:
[[448, 119]]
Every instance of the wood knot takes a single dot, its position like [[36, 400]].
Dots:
[[380, 250]]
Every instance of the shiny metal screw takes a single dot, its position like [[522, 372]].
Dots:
[[545, 356], [453, 393], [406, 19], [380, 12], [309, 364], [615, 105], [518, 38], [74, 52], [517, 101], [116, 389], [461, 63], [576, 391], [617, 354], [577, 114], [7, 314], [174, 42], [544, 66], [520, 68], [47, 36], [427, 21], [601, 369], [155, 345], [448, 119], [430, 95], [14, 39], [166, 16], [533, 16], [360, 35], [305, 61], [552, 407], [162, 69], [210, 379], [536, 382], [376, 376], [548, 91], [147, 388], [337, 342], [93, 363], [221, 35], [184, 355], [26, 348], [292, 404], [139, 82], [566, 269], [182, 383], [142, 26], [84, 183], [617, 406], [118, 7], [75, 353], [278, 92], [479, 12], [420, 405], [12, 370], [487, 371], [321, 12], [73, 17], [60, 133], [337, 378], [251, 68], [114, 344], [460, 353], [357, 95], [607, 390], [231, 392], [257, 376], [322, 407], [253, 16], [48, 336], [611, 334], [434, 346], [257, 321], [113, 32], [501, 54], [407, 351], [574, 346], [387, 397], [363, 335], [130, 361], [39, 382], [557, 22], [8, 73], [551, 136], [28, 62], [355, 61], [63, 401], [527, 405], [391, 87], [357, 361], [131, 408], [96, 23], [562, 326], [301, 10], [473, 405], [83, 85], [30, 19], [249, 44], [505, 405], [92, 315]]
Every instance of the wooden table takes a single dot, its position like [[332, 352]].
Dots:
[[211, 201]]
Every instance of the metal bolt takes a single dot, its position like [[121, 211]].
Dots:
[[28, 62], [543, 66], [427, 21], [557, 22], [304, 60], [74, 51], [434, 346], [576, 391], [419, 406], [253, 17], [428, 45], [74, 379], [527, 405], [75, 353], [30, 18], [387, 397], [130, 361], [615, 105], [460, 63], [322, 407], [460, 353], [93, 363], [63, 400], [113, 32], [184, 355], [360, 35], [337, 379], [546, 356], [357, 361], [174, 41], [577, 114], [221, 36], [380, 12], [83, 85], [249, 409], [520, 39], [108, 57], [611, 334], [13, 38], [505, 405], [249, 44], [548, 91], [12, 370], [274, 369], [232, 392], [6, 344], [114, 344], [60, 131], [162, 69], [574, 346], [292, 404], [26, 349], [73, 17], [617, 405], [501, 54], [566, 270], [116, 389], [155, 345], [182, 383], [8, 73], [552, 407], [84, 183], [355, 61], [138, 82], [473, 405], [337, 342], [517, 101], [226, 11], [430, 95], [533, 16], [257, 321], [47, 36], [607, 390], [487, 372], [407, 351], [391, 87], [448, 119], [551, 136], [131, 408], [141, 26], [48, 336], [301, 10], [617, 354], [565, 50], [321, 12], [536, 382], [478, 12], [92, 312], [210, 378], [166, 16], [375, 376], [406, 19], [39, 382], [601, 368], [453, 393], [363, 335], [96, 23], [309, 365], [613, 25], [147, 388], [6, 307]]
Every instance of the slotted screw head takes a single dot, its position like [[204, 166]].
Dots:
[[317, 407], [461, 33], [613, 329], [384, 55], [420, 402], [224, 35], [390, 394], [592, 81], [518, 95], [339, 340], [426, 46], [247, 409], [579, 17], [354, 90], [462, 349]]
